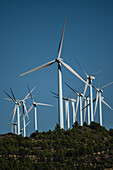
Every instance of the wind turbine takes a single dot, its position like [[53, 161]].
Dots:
[[99, 92], [79, 98], [25, 110], [59, 61], [89, 81], [17, 105], [35, 104], [16, 108]]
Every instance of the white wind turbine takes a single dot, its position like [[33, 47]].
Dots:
[[79, 98], [17, 105], [25, 110], [67, 99], [16, 108], [89, 82], [35, 104], [59, 61], [99, 92]]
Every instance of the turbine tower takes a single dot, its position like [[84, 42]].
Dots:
[[35, 104], [59, 62]]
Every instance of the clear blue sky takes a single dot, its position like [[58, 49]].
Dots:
[[30, 32]]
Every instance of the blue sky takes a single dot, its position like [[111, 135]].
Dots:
[[30, 32]]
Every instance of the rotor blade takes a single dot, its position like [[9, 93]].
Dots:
[[82, 68], [61, 41], [97, 72], [106, 104], [29, 93], [11, 114], [72, 92], [106, 85], [85, 89], [8, 95], [96, 103], [54, 93], [87, 105], [8, 99], [71, 70], [14, 113], [72, 89], [40, 67], [12, 93], [56, 97], [95, 87], [77, 103], [26, 110], [27, 123], [29, 110], [42, 104]]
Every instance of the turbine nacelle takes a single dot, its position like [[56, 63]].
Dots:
[[58, 60], [91, 77]]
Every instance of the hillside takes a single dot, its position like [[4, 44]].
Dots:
[[87, 147]]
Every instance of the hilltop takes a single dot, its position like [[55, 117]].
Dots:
[[86, 147]]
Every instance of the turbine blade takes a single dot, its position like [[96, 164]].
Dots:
[[43, 104], [72, 89], [40, 67], [29, 93], [96, 103], [8, 99], [106, 104], [77, 103], [97, 72], [29, 110], [56, 97], [85, 89], [8, 95], [54, 93], [14, 113], [106, 85], [82, 68], [27, 123], [71, 70], [12, 93], [26, 110], [61, 41], [11, 114]]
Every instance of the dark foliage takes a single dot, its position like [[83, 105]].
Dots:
[[87, 147]]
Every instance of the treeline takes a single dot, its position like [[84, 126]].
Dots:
[[86, 147]]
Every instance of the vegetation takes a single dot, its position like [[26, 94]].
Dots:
[[87, 147]]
